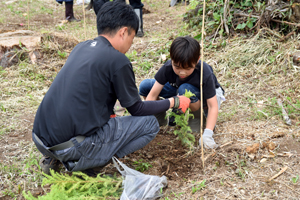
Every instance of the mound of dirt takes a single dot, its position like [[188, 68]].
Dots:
[[22, 44]]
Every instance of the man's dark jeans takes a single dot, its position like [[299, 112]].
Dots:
[[120, 136]]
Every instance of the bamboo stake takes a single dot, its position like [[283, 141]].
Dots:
[[226, 5], [84, 19], [201, 81], [28, 13]]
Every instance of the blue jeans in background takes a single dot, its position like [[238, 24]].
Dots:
[[168, 90]]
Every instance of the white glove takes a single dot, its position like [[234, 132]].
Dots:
[[208, 140]]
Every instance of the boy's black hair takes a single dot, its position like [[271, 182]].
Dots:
[[185, 51], [114, 15]]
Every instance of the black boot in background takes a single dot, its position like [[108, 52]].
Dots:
[[139, 13], [69, 12], [90, 6]]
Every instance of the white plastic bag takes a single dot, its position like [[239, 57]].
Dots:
[[139, 186], [79, 2]]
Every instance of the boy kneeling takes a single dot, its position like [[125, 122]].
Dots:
[[182, 73]]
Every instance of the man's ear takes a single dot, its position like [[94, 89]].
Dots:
[[122, 31]]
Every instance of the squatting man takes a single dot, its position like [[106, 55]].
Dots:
[[73, 124]]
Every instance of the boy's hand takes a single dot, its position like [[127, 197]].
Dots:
[[181, 103], [208, 140]]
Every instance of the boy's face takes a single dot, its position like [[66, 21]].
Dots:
[[183, 72]]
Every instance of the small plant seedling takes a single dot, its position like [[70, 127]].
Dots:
[[198, 186], [295, 179], [142, 166], [222, 181], [8, 193], [62, 54], [177, 195], [183, 130], [2, 107], [2, 71]]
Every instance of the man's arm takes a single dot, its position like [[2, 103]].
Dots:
[[212, 115], [142, 108], [154, 92]]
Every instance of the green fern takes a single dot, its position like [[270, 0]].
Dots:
[[79, 186]]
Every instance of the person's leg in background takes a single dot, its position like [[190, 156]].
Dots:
[[138, 9], [69, 10], [97, 4], [167, 92], [147, 84]]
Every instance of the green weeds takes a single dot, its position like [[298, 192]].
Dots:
[[131, 55], [141, 166], [46, 10], [3, 73], [241, 170], [8, 192], [215, 15], [295, 179], [7, 129], [30, 71], [62, 54], [198, 186], [270, 108], [174, 196], [2, 107], [222, 181]]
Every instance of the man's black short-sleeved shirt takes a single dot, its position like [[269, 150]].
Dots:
[[82, 96], [210, 83]]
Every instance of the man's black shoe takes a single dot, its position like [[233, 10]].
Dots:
[[47, 163]]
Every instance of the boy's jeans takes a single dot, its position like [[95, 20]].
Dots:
[[170, 91]]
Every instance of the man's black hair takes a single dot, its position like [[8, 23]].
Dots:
[[185, 51], [114, 15]]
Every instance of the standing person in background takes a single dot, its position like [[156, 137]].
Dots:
[[135, 4], [69, 10], [138, 9]]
